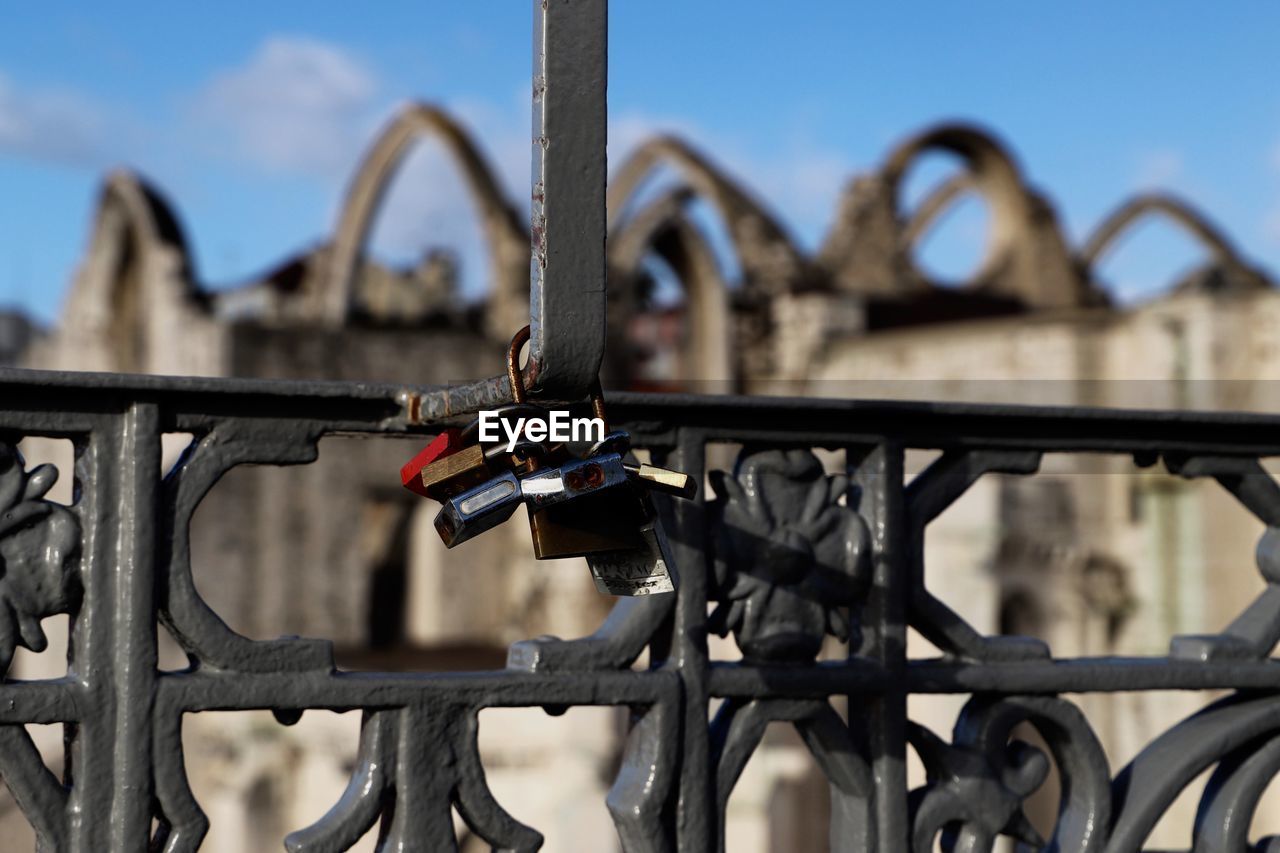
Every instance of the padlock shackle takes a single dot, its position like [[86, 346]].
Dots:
[[518, 394], [516, 379], [597, 404]]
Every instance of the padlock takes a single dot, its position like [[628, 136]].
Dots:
[[651, 477], [483, 507], [613, 520], [644, 570], [597, 506], [487, 499], [674, 483], [572, 479], [608, 520], [456, 460], [618, 521], [581, 507], [477, 510], [449, 465]]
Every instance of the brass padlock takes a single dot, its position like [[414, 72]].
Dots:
[[607, 521], [618, 520], [675, 483]]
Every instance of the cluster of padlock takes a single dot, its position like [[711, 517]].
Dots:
[[596, 505]]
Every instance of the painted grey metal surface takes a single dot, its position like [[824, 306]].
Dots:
[[783, 556], [567, 222]]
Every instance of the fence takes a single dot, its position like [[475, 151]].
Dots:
[[786, 553]]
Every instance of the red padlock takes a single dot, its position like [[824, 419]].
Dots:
[[446, 444]]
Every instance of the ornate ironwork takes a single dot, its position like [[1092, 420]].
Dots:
[[39, 541], [790, 556]]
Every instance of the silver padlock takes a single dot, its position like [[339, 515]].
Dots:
[[479, 509], [644, 570], [487, 505], [573, 479]]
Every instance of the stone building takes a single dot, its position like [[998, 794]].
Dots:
[[17, 333], [1085, 555]]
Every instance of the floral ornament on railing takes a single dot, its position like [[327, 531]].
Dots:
[[790, 555], [39, 541]]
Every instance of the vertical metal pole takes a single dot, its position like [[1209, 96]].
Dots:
[[134, 629], [567, 275], [89, 654], [882, 718], [114, 642], [696, 806]]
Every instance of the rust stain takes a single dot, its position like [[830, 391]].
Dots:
[[538, 236], [411, 401]]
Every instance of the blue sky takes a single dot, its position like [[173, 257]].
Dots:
[[250, 116]]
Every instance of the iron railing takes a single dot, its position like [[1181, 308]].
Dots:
[[786, 553]]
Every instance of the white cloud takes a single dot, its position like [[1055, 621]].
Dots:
[[298, 105], [48, 124], [1160, 170]]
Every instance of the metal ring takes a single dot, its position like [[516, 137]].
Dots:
[[514, 377]]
